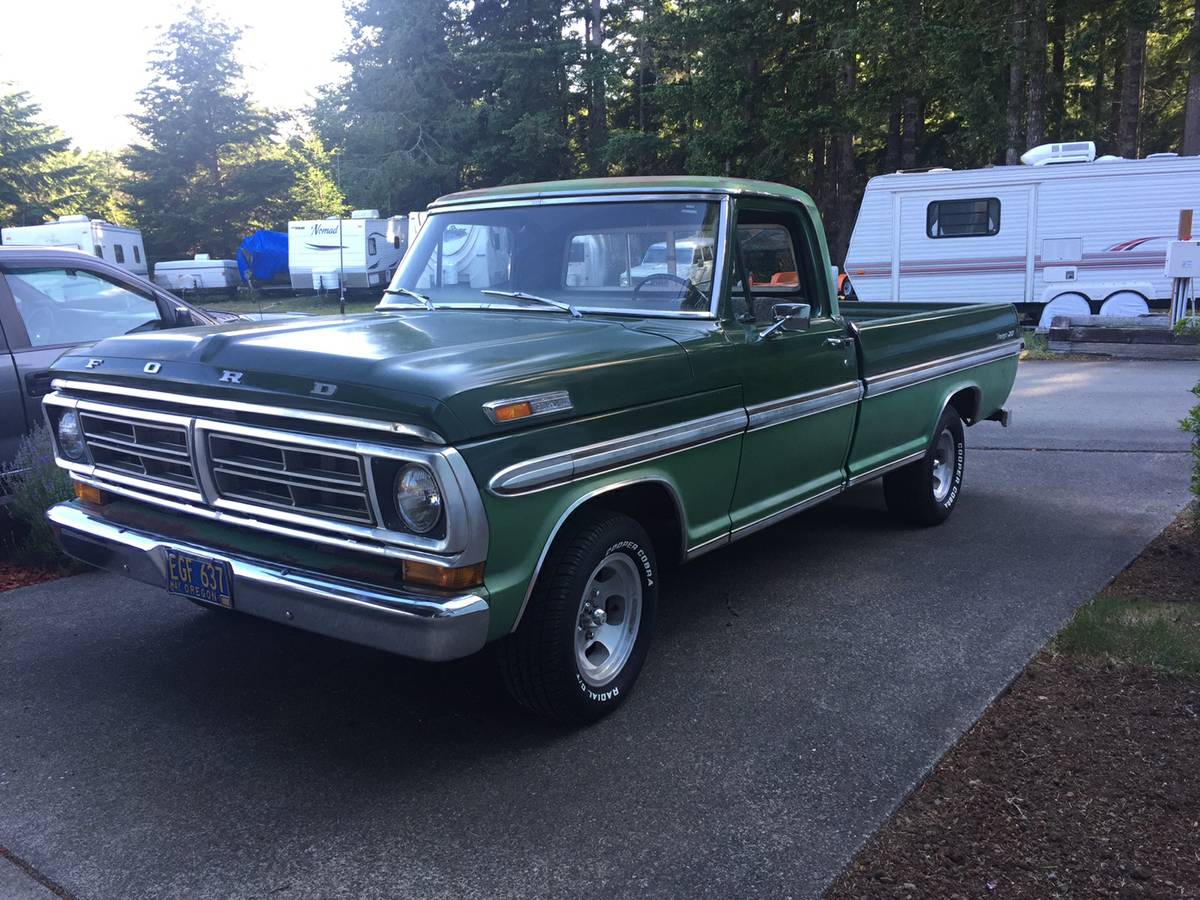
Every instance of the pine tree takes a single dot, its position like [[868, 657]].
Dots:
[[32, 161]]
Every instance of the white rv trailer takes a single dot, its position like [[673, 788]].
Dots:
[[119, 245], [364, 249], [1063, 234], [200, 273]]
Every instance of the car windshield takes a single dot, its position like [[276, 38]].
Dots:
[[622, 257]]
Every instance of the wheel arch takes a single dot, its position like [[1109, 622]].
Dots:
[[654, 502], [966, 400]]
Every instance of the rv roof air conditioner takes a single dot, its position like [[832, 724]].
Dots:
[[1056, 154], [73, 219], [365, 214]]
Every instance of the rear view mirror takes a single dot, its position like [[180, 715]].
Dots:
[[789, 317], [792, 316]]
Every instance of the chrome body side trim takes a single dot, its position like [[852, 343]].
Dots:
[[569, 465], [539, 404], [927, 371], [410, 623], [885, 468], [566, 514], [464, 542], [424, 435], [788, 409], [743, 530]]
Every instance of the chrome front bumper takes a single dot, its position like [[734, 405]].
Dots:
[[409, 623]]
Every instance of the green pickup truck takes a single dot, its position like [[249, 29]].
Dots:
[[567, 389]]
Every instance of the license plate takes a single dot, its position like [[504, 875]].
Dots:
[[197, 578]]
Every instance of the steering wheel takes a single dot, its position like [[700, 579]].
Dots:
[[693, 297], [41, 326]]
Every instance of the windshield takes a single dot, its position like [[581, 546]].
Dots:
[[627, 256]]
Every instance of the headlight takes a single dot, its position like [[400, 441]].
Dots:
[[70, 436], [418, 498]]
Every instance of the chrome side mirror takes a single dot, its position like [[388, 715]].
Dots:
[[789, 317]]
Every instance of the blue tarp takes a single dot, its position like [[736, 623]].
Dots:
[[263, 255]]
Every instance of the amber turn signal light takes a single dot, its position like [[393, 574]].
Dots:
[[88, 494], [512, 411], [426, 575]]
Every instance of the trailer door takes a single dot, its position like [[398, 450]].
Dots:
[[964, 246]]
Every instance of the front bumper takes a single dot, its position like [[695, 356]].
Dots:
[[430, 627]]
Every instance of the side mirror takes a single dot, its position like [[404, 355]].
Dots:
[[789, 317]]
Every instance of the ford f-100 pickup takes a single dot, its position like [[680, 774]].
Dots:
[[566, 388]]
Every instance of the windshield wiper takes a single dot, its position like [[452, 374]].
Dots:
[[405, 292], [534, 298]]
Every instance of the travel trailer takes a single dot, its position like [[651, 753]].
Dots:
[[114, 243], [1064, 233], [364, 250], [200, 273]]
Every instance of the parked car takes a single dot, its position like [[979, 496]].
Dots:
[[55, 298], [513, 458]]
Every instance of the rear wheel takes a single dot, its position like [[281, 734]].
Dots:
[[926, 491], [583, 638]]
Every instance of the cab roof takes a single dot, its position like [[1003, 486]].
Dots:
[[657, 184]]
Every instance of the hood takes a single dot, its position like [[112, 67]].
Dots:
[[435, 369]]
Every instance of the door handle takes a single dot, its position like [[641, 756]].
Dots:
[[837, 343], [37, 383]]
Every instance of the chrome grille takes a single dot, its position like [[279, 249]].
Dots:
[[146, 449], [300, 479]]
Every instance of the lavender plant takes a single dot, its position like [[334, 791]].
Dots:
[[34, 484]]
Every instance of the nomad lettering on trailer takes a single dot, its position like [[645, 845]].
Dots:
[[565, 385]]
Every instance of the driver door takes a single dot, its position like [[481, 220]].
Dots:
[[52, 308], [801, 387]]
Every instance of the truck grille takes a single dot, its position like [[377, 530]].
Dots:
[[300, 479], [137, 447]]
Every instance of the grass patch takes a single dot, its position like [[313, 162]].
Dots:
[[309, 304], [1037, 346], [1162, 636]]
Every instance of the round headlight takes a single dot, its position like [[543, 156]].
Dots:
[[418, 498], [70, 436]]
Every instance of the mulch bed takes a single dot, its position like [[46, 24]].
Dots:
[[1168, 570], [1081, 781], [14, 576]]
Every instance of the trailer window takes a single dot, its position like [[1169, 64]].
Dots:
[[137, 254], [119, 253], [963, 218], [371, 248], [99, 251]]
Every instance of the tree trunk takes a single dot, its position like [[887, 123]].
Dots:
[[893, 137], [1118, 85], [598, 108], [1191, 120], [1036, 64], [1056, 105], [843, 209], [1131, 90], [1016, 84], [910, 110]]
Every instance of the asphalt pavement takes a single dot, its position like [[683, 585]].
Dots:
[[802, 681]]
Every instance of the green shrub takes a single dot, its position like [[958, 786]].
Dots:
[[36, 484], [1191, 423]]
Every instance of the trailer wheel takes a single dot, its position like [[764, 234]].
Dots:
[[925, 492], [583, 639]]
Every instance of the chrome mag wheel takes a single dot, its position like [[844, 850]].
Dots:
[[609, 615], [943, 465]]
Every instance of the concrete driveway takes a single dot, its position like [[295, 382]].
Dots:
[[801, 682]]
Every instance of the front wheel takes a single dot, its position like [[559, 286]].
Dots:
[[582, 641], [926, 491]]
